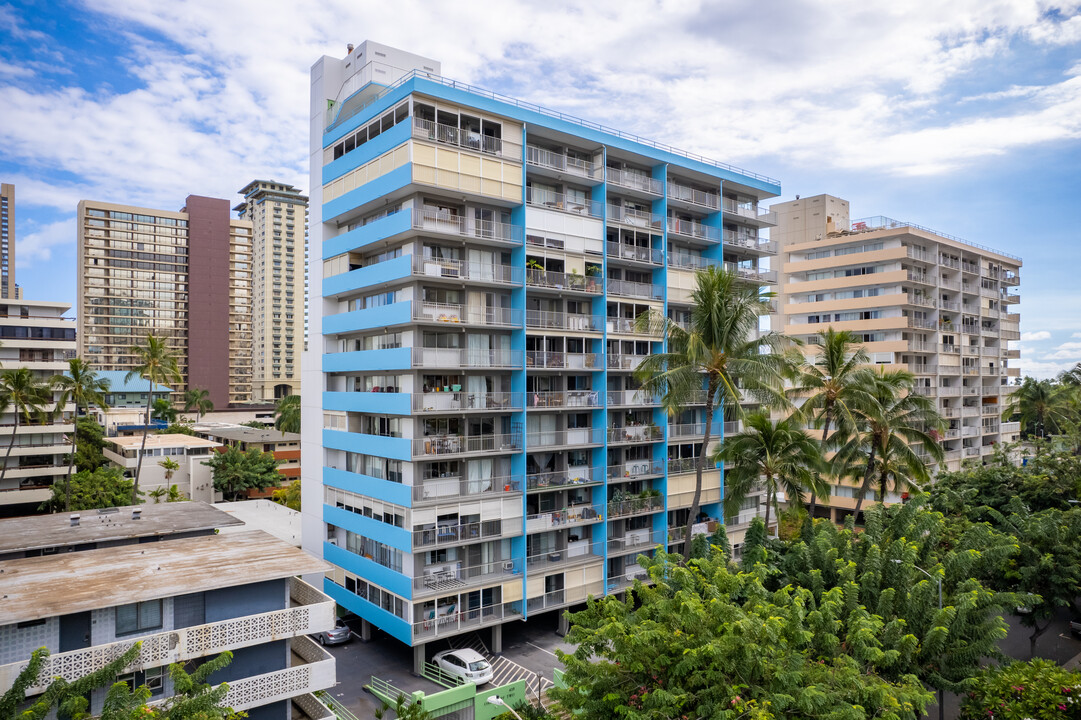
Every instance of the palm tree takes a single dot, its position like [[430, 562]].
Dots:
[[830, 385], [780, 455], [84, 387], [287, 414], [26, 396], [891, 419], [719, 350], [1041, 405], [198, 399], [157, 364]]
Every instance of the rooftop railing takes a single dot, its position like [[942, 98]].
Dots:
[[878, 222]]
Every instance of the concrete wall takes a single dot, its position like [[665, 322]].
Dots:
[[208, 284]]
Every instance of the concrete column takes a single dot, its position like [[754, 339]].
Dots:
[[418, 659], [497, 639], [564, 625], [365, 631]]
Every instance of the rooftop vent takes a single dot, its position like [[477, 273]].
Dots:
[[75, 520], [136, 514], [350, 46]]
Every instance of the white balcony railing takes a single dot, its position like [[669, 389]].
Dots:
[[467, 314], [546, 320], [634, 470], [312, 669], [454, 623], [701, 198], [444, 445], [563, 281], [570, 437], [636, 253], [561, 360], [311, 611], [694, 229], [571, 477], [563, 399], [450, 135], [456, 401], [634, 181], [447, 223], [466, 358], [540, 157], [629, 288], [444, 578], [464, 270], [463, 533], [552, 200], [637, 218], [448, 488], [632, 397]]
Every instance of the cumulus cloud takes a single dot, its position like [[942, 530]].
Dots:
[[1037, 335], [1065, 351], [37, 245]]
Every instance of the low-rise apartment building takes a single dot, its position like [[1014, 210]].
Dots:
[[37, 336], [285, 447], [193, 478], [188, 597], [920, 300]]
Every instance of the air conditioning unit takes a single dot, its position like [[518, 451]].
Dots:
[[333, 541], [508, 565]]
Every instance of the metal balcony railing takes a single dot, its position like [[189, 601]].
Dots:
[[694, 229], [563, 281], [560, 360], [462, 533], [559, 399], [452, 622], [629, 288], [540, 157], [545, 320], [557, 557], [636, 540], [701, 198], [449, 488], [632, 397], [450, 445], [571, 477], [637, 218], [570, 437], [447, 223], [466, 358], [444, 578], [635, 506], [635, 469], [454, 401], [634, 181], [463, 270], [574, 515], [552, 200], [635, 434], [635, 253], [467, 314], [450, 135], [690, 262]]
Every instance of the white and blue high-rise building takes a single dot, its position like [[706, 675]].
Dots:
[[475, 446]]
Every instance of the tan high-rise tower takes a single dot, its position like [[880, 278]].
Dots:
[[7, 242], [279, 217]]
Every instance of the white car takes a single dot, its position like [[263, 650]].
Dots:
[[467, 664]]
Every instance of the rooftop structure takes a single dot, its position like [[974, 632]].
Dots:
[[110, 525], [267, 515], [477, 448]]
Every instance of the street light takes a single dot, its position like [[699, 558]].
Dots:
[[941, 706], [496, 700]]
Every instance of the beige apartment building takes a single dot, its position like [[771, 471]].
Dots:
[[7, 241], [138, 268], [279, 217], [37, 336], [930, 303]]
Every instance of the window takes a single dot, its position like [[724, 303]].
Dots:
[[138, 617]]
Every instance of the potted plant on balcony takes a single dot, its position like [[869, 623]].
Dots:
[[575, 280], [592, 273], [535, 270]]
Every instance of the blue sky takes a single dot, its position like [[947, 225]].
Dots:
[[962, 116]]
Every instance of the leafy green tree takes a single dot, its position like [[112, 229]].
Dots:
[[163, 410], [831, 385], [198, 399], [779, 455], [86, 389], [1034, 690], [68, 698], [89, 444], [706, 642], [289, 496], [891, 419], [721, 351], [287, 414], [157, 364], [26, 397], [90, 489], [1039, 405], [178, 428], [882, 569], [235, 471]]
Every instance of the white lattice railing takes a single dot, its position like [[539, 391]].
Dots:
[[311, 706], [312, 612], [313, 669]]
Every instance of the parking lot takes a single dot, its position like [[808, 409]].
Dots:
[[528, 653]]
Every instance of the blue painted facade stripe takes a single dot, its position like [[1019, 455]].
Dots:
[[370, 570], [368, 402], [385, 621], [336, 133], [384, 490], [358, 238], [388, 447], [364, 360], [370, 528], [397, 313], [368, 151], [369, 192], [391, 270]]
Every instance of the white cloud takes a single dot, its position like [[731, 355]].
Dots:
[[37, 245], [1037, 335], [1065, 351], [1076, 335]]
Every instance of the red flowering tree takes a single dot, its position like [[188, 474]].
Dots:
[[1033, 690]]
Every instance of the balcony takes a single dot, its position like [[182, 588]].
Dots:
[[635, 470], [683, 261], [677, 466], [445, 223], [630, 326], [580, 552], [920, 300], [568, 517], [734, 239], [450, 135], [634, 253], [970, 268], [487, 273], [455, 623], [451, 488], [921, 277], [571, 477], [463, 533], [634, 218], [309, 611], [635, 181], [749, 211], [635, 434], [561, 598], [635, 398], [458, 445], [622, 582], [550, 200], [572, 282], [544, 320], [691, 196], [560, 399], [441, 313], [751, 274], [918, 254], [635, 506], [559, 361], [694, 230], [1010, 427], [631, 289], [560, 162], [573, 437], [311, 669], [687, 430], [922, 323], [636, 541], [466, 401], [449, 577], [465, 358]]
